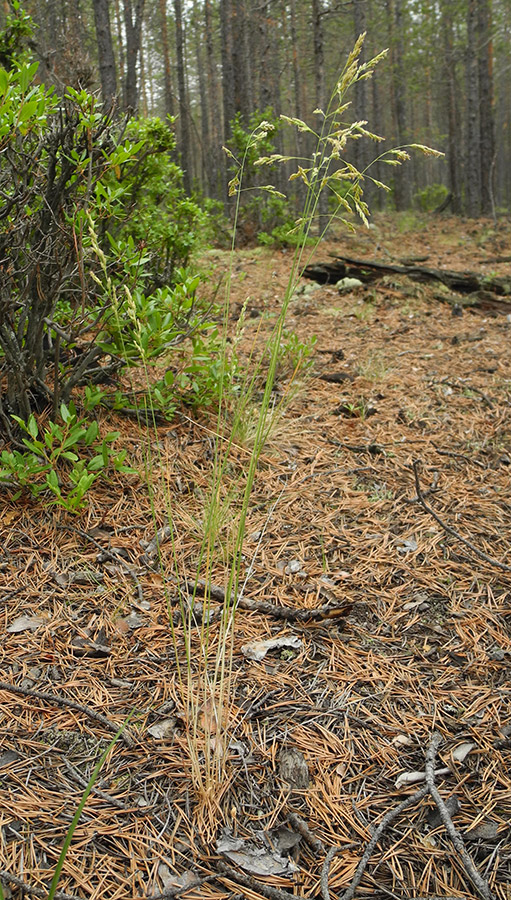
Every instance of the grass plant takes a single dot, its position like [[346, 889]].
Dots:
[[204, 660]]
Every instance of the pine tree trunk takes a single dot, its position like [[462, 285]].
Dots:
[[362, 147], [107, 68], [167, 72], [486, 123], [451, 94], [320, 98], [396, 28], [215, 164], [473, 151], [204, 106], [184, 130], [227, 72], [133, 28], [120, 44]]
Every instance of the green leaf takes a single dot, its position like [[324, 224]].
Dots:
[[96, 463], [28, 110], [77, 434], [4, 81], [36, 447], [65, 413], [91, 434], [33, 430]]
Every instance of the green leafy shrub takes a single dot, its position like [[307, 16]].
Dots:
[[90, 210], [161, 217], [431, 197], [51, 461]]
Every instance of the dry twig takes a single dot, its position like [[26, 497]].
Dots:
[[58, 700], [480, 553], [479, 883], [272, 893], [325, 871], [301, 826]]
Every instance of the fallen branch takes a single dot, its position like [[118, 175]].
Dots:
[[479, 883], [387, 819], [59, 700], [300, 825], [203, 588], [325, 871], [113, 801], [430, 788], [480, 553], [33, 891], [266, 890], [61, 895], [370, 270]]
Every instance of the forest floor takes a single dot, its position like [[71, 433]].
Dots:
[[411, 636]]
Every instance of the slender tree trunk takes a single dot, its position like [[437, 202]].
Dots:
[[486, 123], [184, 129], [320, 95], [227, 71], [473, 163], [240, 59], [203, 167], [215, 164], [107, 68], [265, 73], [319, 51], [120, 44], [297, 80], [133, 28], [451, 88], [167, 76], [142, 80], [396, 28], [362, 147]]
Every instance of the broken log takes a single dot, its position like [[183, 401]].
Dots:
[[370, 270]]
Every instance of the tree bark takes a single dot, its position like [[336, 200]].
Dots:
[[227, 71], [451, 94], [133, 27], [396, 29], [486, 123], [320, 95], [362, 147], [167, 72], [473, 149], [184, 127], [107, 67]]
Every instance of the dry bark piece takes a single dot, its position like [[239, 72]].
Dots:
[[258, 649], [460, 753], [257, 860], [25, 623], [293, 768]]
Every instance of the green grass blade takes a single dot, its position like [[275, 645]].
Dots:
[[76, 817]]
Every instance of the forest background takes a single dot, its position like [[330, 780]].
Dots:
[[211, 63]]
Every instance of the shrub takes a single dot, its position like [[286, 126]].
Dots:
[[50, 462], [166, 222], [431, 197], [70, 182]]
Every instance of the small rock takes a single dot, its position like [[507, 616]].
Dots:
[[348, 284]]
